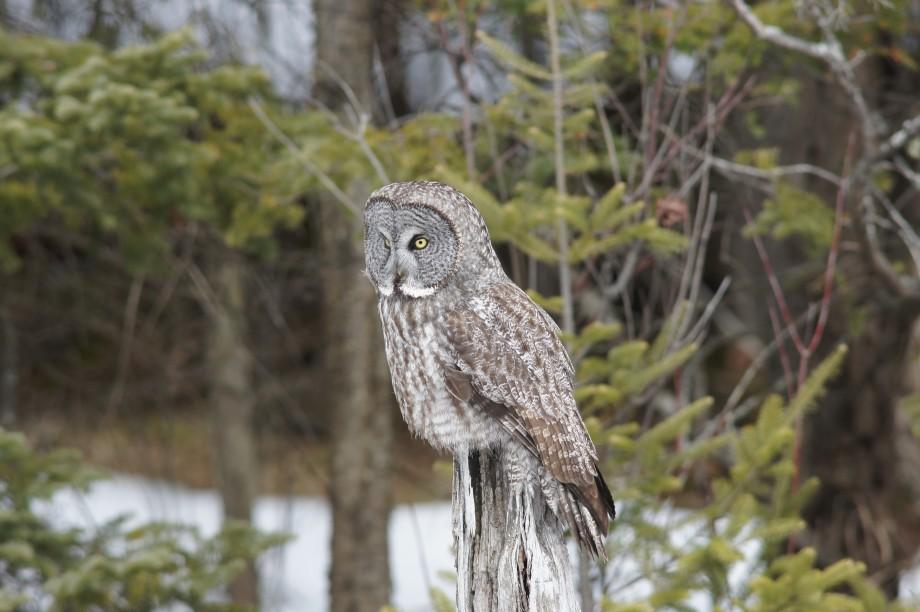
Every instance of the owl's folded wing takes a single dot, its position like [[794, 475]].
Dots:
[[509, 354]]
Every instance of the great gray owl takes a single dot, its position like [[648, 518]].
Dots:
[[475, 364]]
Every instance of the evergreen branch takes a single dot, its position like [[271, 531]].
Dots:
[[515, 60]]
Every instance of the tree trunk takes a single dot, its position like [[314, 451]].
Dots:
[[232, 402], [361, 398], [511, 553], [361, 424]]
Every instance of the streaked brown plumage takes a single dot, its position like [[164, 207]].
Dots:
[[474, 362]]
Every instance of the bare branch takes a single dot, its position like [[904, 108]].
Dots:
[[626, 273], [908, 233], [305, 160], [829, 51], [729, 167], [899, 138], [454, 59], [831, 255], [778, 37], [908, 173]]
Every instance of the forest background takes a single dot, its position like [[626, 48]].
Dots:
[[719, 202]]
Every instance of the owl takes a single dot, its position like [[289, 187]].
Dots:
[[475, 363]]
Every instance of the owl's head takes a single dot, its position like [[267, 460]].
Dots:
[[420, 236]]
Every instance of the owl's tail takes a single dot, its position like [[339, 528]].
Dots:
[[589, 508]]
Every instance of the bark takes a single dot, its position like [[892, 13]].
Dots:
[[232, 399], [355, 39], [511, 553], [361, 399], [361, 425]]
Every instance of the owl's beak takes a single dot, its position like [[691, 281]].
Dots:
[[401, 271], [400, 274]]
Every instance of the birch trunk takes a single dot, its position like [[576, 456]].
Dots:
[[511, 552]]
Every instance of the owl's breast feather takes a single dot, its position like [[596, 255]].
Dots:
[[417, 350]]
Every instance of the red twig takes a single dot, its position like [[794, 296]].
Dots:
[[804, 349], [783, 353], [776, 288], [835, 248]]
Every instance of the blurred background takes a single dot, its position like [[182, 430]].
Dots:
[[729, 191]]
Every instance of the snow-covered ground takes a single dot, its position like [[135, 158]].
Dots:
[[295, 575]]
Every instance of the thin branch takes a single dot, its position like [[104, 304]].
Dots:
[[205, 292], [912, 176], [768, 174], [736, 395], [626, 273], [779, 334], [355, 110], [832, 253], [899, 138], [466, 116], [728, 102], [908, 233], [878, 260], [778, 37], [565, 272], [358, 136], [305, 160], [830, 52], [775, 286], [697, 330]]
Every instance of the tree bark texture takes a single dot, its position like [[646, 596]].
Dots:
[[510, 548], [361, 397], [361, 425], [233, 401], [357, 48]]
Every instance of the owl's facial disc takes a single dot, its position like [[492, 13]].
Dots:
[[410, 250]]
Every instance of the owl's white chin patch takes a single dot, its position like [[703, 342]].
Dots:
[[416, 292], [385, 290]]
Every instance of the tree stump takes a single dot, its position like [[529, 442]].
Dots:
[[510, 549]]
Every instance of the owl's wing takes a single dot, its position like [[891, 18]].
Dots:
[[509, 353]]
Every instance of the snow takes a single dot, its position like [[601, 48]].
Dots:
[[295, 575]]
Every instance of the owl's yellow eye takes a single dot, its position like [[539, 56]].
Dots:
[[419, 243], [386, 242]]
